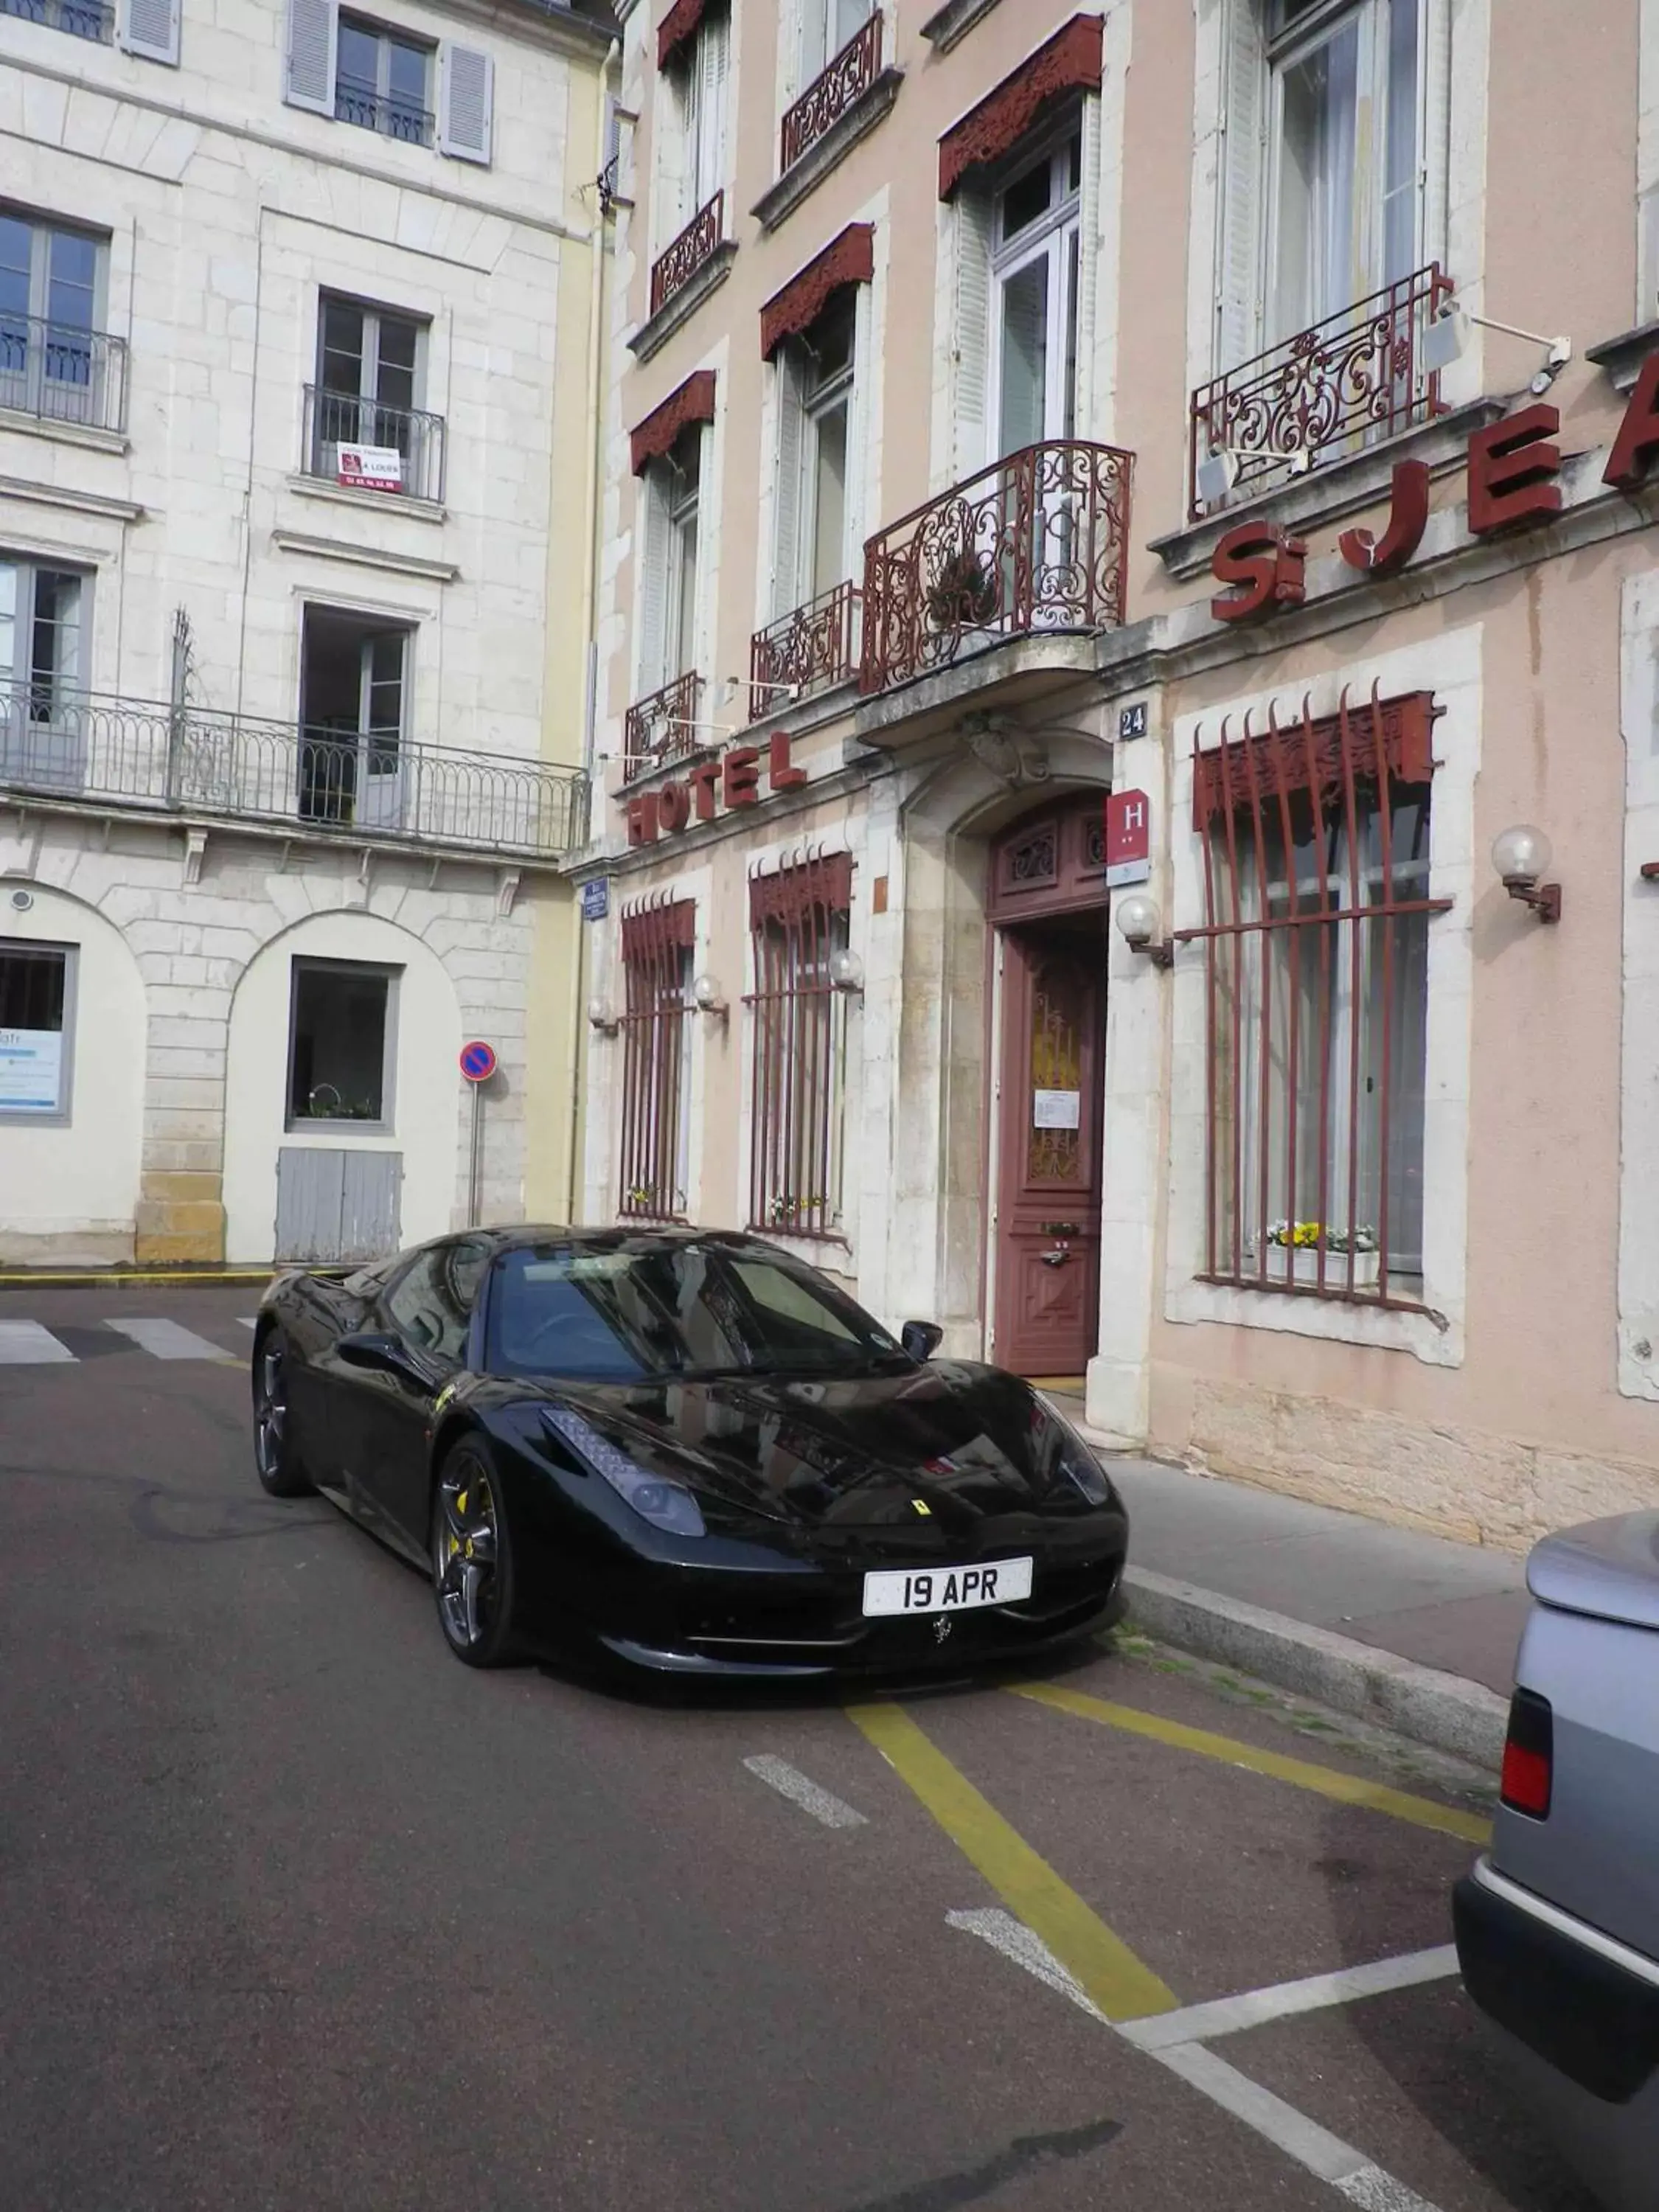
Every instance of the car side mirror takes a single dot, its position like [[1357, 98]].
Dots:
[[380, 1353], [921, 1338]]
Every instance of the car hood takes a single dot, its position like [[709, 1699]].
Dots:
[[1607, 1569], [950, 1443]]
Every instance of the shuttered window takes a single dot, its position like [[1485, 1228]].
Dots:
[[150, 28], [466, 103]]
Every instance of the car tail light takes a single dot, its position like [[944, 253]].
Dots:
[[1529, 1755]]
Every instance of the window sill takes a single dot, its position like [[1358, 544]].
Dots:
[[1418, 1330], [64, 434], [366, 556], [655, 332], [953, 21], [382, 502], [1328, 494], [1622, 357], [870, 107]]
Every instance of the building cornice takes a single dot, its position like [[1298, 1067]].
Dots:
[[367, 556], [76, 502]]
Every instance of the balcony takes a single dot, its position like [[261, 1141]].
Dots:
[[663, 727], [192, 761], [831, 94], [1035, 545], [60, 373], [350, 440], [1353, 379], [808, 651], [371, 109], [81, 19], [691, 251]]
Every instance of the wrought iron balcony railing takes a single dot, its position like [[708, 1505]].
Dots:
[[81, 19], [339, 424], [662, 726], [673, 271], [371, 110], [827, 97], [62, 373], [1358, 376], [1035, 542], [194, 761], [805, 651]]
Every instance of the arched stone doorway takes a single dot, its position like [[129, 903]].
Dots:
[[1046, 903]]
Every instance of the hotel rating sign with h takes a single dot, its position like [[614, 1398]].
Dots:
[[1128, 839]]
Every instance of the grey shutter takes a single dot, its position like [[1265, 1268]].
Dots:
[[313, 43], [651, 590], [1239, 259], [973, 326], [792, 423], [713, 48], [466, 100], [150, 28]]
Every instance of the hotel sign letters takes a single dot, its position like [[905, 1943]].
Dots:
[[731, 782]]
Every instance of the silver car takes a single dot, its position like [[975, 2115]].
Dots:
[[1557, 1930]]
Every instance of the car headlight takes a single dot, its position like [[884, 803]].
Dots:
[[664, 1504], [1082, 1469]]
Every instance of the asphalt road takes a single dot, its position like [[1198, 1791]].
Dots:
[[297, 1912]]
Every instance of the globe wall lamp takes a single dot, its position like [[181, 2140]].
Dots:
[[600, 1017], [707, 997], [1521, 856], [846, 971], [1139, 925]]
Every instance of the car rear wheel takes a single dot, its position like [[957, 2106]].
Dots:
[[275, 1449], [472, 1558]]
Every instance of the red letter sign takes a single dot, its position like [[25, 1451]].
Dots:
[[1639, 434], [1512, 469], [674, 805], [702, 779], [779, 773], [1269, 564], [1408, 518], [740, 777], [642, 819]]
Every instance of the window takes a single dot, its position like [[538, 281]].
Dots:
[[370, 370], [1317, 872], [431, 1303], [669, 623], [815, 390], [798, 921], [81, 19], [827, 26], [37, 1030], [656, 1136], [1035, 298], [340, 1043], [42, 673], [382, 82], [51, 354], [695, 148], [353, 682]]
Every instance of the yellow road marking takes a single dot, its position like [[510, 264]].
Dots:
[[1345, 1789], [1107, 1970]]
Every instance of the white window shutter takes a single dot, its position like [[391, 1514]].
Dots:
[[787, 593], [973, 331], [711, 62], [313, 44], [150, 28], [652, 612], [466, 100], [1241, 282]]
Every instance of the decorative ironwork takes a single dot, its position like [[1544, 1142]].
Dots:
[[1071, 62], [827, 97], [81, 19], [1315, 858], [810, 649], [1036, 541], [1037, 858], [1060, 998], [657, 940], [798, 919], [662, 726], [1357, 375], [373, 110], [673, 271], [1094, 848], [60, 373], [334, 419], [373, 785]]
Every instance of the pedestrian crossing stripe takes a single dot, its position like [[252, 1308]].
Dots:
[[32, 1343]]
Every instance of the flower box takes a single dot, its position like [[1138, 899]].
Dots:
[[1304, 1267]]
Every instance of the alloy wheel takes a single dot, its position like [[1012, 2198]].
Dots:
[[467, 1542], [270, 1410]]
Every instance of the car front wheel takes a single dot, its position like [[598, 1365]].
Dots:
[[472, 1557], [276, 1447]]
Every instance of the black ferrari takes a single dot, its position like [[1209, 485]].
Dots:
[[684, 1449]]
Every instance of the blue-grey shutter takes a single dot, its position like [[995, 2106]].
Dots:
[[313, 43], [150, 28], [466, 97], [1242, 288], [972, 213], [787, 591]]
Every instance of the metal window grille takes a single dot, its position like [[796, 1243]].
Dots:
[[657, 943], [798, 919], [1315, 851]]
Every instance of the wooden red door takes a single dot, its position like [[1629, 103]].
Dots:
[[1046, 1316]]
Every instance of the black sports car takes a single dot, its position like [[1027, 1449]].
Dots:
[[684, 1447]]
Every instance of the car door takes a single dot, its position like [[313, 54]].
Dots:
[[427, 1312]]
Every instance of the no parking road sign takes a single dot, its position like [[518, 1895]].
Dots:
[[477, 1061]]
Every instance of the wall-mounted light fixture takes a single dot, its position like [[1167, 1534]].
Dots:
[[1521, 856], [845, 970], [706, 995], [1139, 924], [600, 1017], [1447, 337]]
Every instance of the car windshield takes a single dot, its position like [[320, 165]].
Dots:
[[690, 1310]]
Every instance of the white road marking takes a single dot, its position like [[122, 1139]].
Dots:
[[1172, 2039], [1230, 2015], [248, 1321], [170, 1339], [789, 1781], [31, 1344]]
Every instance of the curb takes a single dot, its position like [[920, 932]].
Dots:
[[1444, 1710], [93, 1279]]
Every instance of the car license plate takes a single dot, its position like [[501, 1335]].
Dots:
[[947, 1590]]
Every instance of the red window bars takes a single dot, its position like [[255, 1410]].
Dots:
[[662, 726], [810, 649], [798, 922], [827, 98], [657, 943], [1316, 844], [675, 267]]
